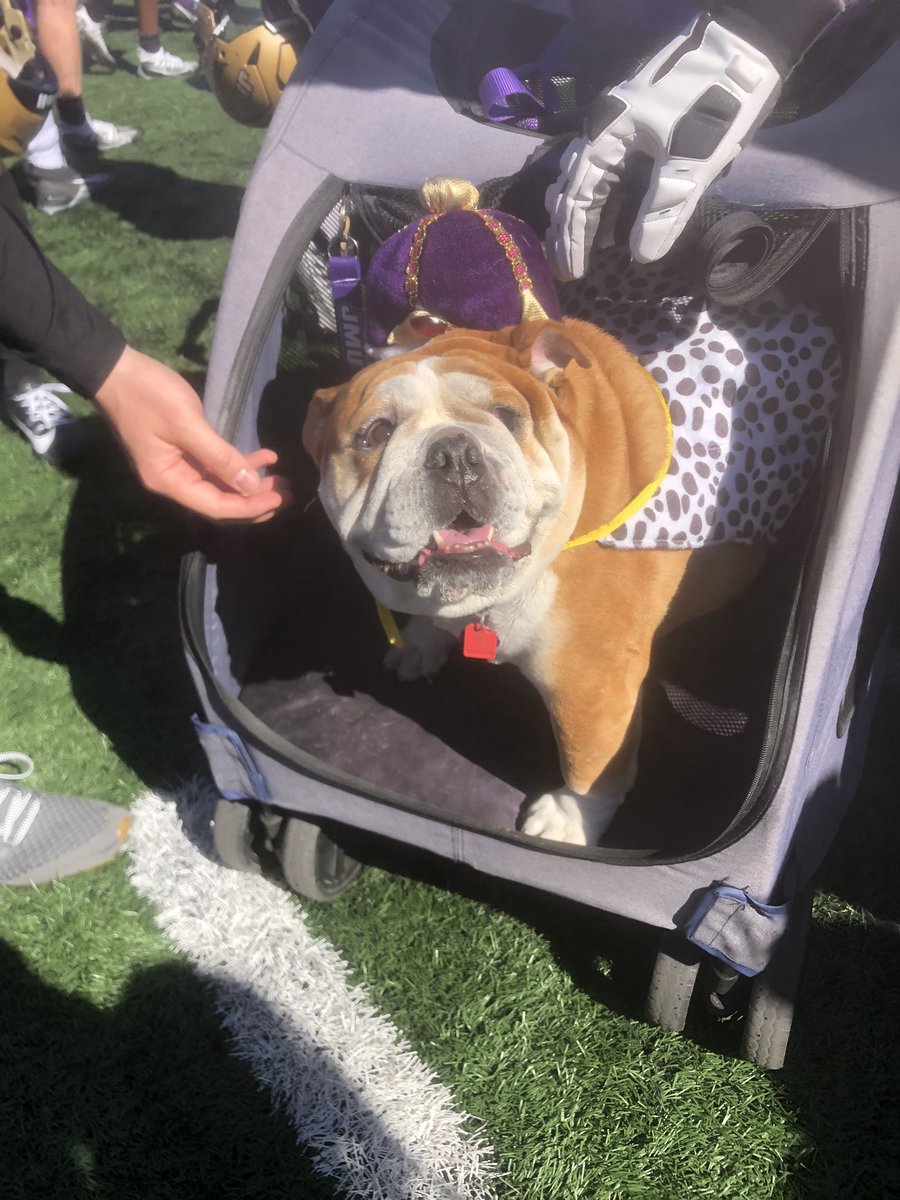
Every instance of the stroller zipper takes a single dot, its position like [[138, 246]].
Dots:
[[786, 685]]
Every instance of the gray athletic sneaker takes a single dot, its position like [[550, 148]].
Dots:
[[45, 837], [55, 189]]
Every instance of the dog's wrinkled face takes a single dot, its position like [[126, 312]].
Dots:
[[443, 474]]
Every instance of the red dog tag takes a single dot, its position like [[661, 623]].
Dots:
[[479, 642]]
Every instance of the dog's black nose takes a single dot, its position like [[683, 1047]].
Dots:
[[455, 457]]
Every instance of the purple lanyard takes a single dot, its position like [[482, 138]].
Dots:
[[345, 277]]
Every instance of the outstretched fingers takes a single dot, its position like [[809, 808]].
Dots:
[[213, 478], [588, 170]]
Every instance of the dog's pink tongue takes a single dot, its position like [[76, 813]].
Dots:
[[449, 539], [460, 540]]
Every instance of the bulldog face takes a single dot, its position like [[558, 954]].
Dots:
[[443, 473]]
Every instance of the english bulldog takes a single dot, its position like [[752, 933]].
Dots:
[[470, 480]]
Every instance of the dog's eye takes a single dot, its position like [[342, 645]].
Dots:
[[508, 416], [374, 435]]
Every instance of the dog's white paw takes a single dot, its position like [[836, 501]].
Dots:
[[424, 651], [564, 816]]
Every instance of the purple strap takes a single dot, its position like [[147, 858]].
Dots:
[[507, 98]]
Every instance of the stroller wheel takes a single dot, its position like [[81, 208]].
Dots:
[[768, 1026], [233, 836], [770, 1011], [672, 984], [312, 863]]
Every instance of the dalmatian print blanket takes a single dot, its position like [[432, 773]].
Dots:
[[750, 390]]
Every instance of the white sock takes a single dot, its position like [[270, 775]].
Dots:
[[44, 150]]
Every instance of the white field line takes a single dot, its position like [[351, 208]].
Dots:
[[372, 1115]]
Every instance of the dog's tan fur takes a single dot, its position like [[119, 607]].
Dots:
[[580, 622]]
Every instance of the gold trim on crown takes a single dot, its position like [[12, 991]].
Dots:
[[442, 194]]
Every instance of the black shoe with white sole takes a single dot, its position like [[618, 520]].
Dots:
[[40, 414]]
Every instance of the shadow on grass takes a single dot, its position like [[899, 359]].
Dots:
[[190, 346], [843, 1063], [119, 637], [120, 564], [134, 1101], [32, 631], [161, 203], [842, 1072]]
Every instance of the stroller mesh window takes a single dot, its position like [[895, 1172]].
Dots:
[[712, 718]]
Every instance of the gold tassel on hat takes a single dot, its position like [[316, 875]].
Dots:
[[444, 193], [531, 307]]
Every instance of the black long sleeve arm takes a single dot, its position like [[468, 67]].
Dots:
[[43, 315]]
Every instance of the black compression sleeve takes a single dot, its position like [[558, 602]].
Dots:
[[43, 315], [783, 29]]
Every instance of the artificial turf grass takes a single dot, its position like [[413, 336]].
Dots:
[[117, 1082], [151, 250], [579, 1097], [92, 645]]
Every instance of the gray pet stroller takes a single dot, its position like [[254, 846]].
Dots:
[[757, 716]]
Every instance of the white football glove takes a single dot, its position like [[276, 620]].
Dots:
[[691, 109]]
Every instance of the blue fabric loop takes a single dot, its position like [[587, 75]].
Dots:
[[737, 929], [236, 774]]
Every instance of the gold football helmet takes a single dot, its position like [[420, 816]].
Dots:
[[27, 82], [248, 73]]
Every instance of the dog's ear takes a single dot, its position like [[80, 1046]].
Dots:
[[551, 352], [316, 420]]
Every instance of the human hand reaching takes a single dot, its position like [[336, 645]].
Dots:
[[159, 419]]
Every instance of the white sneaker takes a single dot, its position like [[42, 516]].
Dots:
[[160, 64], [186, 10], [94, 134], [93, 43], [41, 415]]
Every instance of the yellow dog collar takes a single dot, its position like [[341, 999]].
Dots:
[[644, 495]]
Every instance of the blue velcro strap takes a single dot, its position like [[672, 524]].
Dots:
[[738, 930], [236, 774]]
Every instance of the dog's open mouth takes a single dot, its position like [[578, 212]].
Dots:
[[463, 540]]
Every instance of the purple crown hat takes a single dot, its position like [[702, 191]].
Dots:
[[465, 266]]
